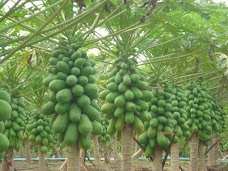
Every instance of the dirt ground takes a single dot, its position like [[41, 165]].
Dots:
[[138, 166]]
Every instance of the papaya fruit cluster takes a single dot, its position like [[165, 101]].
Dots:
[[179, 113], [28, 115], [124, 97], [199, 110], [159, 130], [5, 113], [72, 97], [218, 119], [39, 132], [14, 127], [104, 137]]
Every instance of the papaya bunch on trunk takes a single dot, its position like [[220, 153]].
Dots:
[[39, 132], [218, 120], [72, 97], [125, 97], [5, 113], [179, 113], [14, 127], [104, 137], [199, 110], [159, 130]]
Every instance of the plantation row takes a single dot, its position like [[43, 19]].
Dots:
[[132, 103]]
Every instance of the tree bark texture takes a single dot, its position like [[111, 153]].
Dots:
[[126, 149], [7, 160], [42, 165], [27, 151], [96, 152], [216, 149], [194, 147], [106, 153], [73, 158], [157, 158], [202, 159], [116, 166], [211, 159], [175, 157]]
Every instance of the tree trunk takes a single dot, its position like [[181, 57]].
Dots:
[[96, 152], [27, 151], [194, 152], [175, 157], [82, 155], [210, 160], [7, 160], [73, 158], [126, 149], [116, 157], [202, 160], [216, 149], [42, 166], [106, 153], [20, 152], [157, 158], [115, 150]]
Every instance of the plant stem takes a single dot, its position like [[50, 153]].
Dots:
[[126, 149], [194, 146], [157, 158], [73, 158], [175, 157], [42, 166]]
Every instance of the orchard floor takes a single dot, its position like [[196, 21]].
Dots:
[[138, 166]]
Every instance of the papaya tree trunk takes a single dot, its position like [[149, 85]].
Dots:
[[20, 152], [73, 158], [115, 150], [42, 166], [116, 157], [27, 151], [175, 157], [157, 158], [82, 154], [194, 147], [211, 159], [106, 153], [202, 160], [7, 160], [126, 148], [96, 152], [216, 149]]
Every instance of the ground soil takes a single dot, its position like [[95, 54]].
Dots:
[[138, 166]]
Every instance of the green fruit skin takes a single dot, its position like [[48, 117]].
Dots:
[[4, 143], [60, 124], [85, 126], [5, 112], [71, 134]]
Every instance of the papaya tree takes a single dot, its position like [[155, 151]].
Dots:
[[218, 126], [14, 76], [180, 126], [38, 129], [159, 130], [72, 99], [199, 120]]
